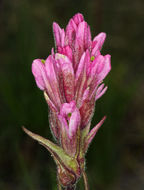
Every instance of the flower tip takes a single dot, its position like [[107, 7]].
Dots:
[[78, 18], [103, 34], [100, 38], [54, 25], [104, 118]]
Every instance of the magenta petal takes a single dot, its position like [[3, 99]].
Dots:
[[38, 70], [72, 28], [78, 18], [68, 76], [74, 123], [104, 68], [80, 68], [67, 108], [55, 125], [79, 45], [65, 141], [65, 51], [49, 102], [59, 35], [87, 38], [71, 33], [98, 41], [81, 84], [50, 69], [70, 121], [92, 133], [68, 52], [87, 110], [64, 124], [86, 94]]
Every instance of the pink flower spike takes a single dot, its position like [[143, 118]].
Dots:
[[100, 91], [71, 79], [92, 133]]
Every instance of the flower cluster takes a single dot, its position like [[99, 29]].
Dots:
[[72, 80]]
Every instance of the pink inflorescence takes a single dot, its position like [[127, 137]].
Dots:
[[72, 81]]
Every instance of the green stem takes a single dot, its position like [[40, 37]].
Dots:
[[85, 181]]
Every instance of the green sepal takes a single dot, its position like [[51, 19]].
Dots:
[[60, 157]]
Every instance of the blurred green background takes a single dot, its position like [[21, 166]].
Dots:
[[115, 160]]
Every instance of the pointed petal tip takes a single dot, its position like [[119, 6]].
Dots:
[[54, 24], [78, 18], [92, 133], [101, 36]]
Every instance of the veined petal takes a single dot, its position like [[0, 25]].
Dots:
[[72, 28], [92, 133], [55, 125], [38, 70], [64, 139], [78, 18], [86, 94], [104, 68], [95, 68], [68, 76], [74, 122], [67, 108], [66, 51], [87, 110], [81, 84], [80, 68], [49, 102], [50, 70], [98, 43], [70, 126], [79, 46], [64, 125], [87, 40], [71, 33], [59, 35]]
